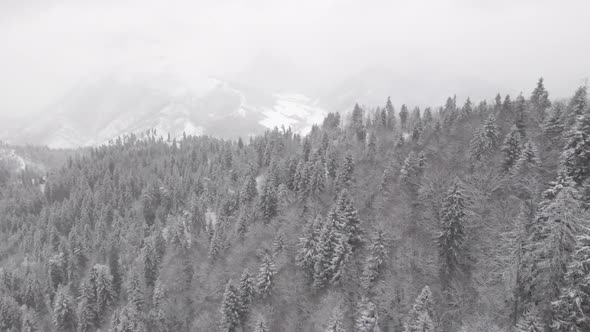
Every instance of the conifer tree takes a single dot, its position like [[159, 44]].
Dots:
[[336, 323], [428, 117], [246, 292], [520, 115], [511, 149], [403, 117], [377, 255], [327, 242], [467, 109], [266, 275], [553, 126], [390, 114], [366, 320], [576, 154], [372, 146], [261, 325], [344, 174], [345, 218], [578, 105], [540, 99], [527, 160], [115, 269], [420, 316], [551, 241], [317, 179], [64, 314], [230, 309], [135, 292], [452, 233], [530, 322], [308, 245], [571, 311], [30, 320], [268, 200]]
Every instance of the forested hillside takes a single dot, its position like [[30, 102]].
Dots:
[[469, 217]]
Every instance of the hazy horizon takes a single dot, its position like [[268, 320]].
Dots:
[[49, 46]]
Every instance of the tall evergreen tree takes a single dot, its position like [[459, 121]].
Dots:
[[367, 319], [403, 117], [572, 310], [420, 316], [576, 154], [64, 314], [540, 100], [452, 234], [511, 149], [530, 322], [266, 275], [230, 309]]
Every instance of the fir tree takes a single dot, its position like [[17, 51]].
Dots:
[[403, 117], [390, 114], [540, 100], [345, 218], [261, 325], [420, 316], [553, 126], [317, 179], [377, 255], [520, 115], [230, 309], [576, 154], [266, 275], [528, 159], [530, 322], [366, 320], [511, 149], [246, 292], [452, 233], [30, 320], [336, 323], [578, 104], [572, 310], [64, 314], [308, 245]]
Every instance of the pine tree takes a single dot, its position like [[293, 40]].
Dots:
[[390, 114], [578, 104], [576, 154], [30, 320], [261, 325], [346, 220], [403, 117], [357, 122], [467, 109], [10, 315], [540, 100], [266, 275], [366, 320], [246, 292], [553, 126], [420, 316], [308, 245], [452, 233], [341, 253], [520, 115], [344, 174], [571, 311], [511, 149], [377, 255], [230, 309], [317, 179], [530, 322], [64, 315], [87, 315], [372, 146], [322, 260], [528, 159], [249, 188], [129, 319], [551, 241], [135, 292], [268, 200], [336, 323]]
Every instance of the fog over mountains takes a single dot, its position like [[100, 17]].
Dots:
[[123, 100]]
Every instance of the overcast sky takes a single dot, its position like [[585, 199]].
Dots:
[[48, 45]]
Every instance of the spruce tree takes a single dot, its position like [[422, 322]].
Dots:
[[64, 314], [230, 309], [336, 322], [366, 320], [377, 255], [452, 234], [266, 275], [308, 245], [246, 293], [420, 316], [576, 154], [390, 114], [511, 149], [571, 311], [553, 126], [345, 218], [403, 117], [540, 100], [520, 120], [530, 322]]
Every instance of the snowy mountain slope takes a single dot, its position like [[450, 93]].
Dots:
[[122, 103]]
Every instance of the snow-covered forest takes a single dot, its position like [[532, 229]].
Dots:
[[473, 216]]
